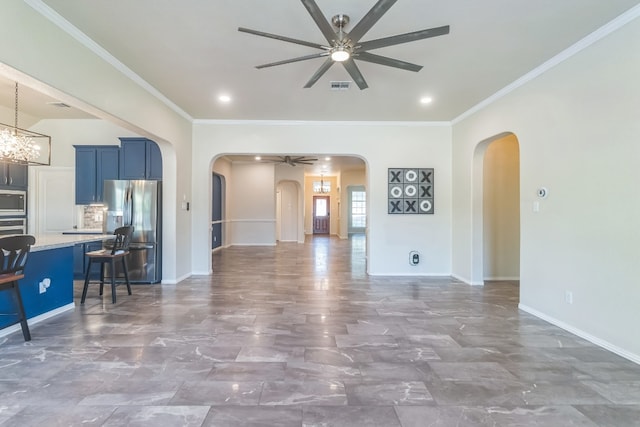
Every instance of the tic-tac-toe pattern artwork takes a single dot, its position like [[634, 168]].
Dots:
[[410, 190]]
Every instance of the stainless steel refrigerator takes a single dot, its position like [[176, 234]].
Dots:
[[136, 203]]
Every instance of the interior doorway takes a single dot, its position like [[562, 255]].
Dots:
[[501, 210], [321, 210], [217, 210], [287, 217], [496, 210]]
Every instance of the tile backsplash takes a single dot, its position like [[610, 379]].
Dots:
[[92, 217]]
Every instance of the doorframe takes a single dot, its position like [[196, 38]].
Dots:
[[313, 218], [220, 221], [477, 208], [299, 219]]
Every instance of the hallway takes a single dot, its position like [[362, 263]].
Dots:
[[298, 334]]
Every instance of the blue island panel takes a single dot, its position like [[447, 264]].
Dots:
[[53, 264]]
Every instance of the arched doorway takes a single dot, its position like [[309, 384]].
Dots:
[[496, 210]]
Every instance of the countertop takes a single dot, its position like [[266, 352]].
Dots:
[[57, 240]]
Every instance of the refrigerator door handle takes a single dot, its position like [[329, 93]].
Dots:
[[128, 214]]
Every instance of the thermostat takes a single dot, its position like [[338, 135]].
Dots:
[[543, 192]]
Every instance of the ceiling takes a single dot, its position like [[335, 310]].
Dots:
[[191, 52]]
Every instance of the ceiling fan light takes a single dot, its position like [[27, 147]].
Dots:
[[340, 54]]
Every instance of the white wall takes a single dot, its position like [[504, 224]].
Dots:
[[253, 211], [68, 132], [391, 237], [578, 129]]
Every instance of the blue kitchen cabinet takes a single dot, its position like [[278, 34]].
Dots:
[[154, 161], [13, 176], [94, 164], [140, 159]]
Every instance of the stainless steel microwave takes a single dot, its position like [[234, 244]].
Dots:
[[13, 202]]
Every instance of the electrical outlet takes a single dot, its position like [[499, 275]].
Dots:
[[44, 285], [568, 297], [414, 258]]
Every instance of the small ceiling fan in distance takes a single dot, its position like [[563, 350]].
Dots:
[[345, 47], [292, 160]]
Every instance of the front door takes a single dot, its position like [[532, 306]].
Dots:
[[321, 214]]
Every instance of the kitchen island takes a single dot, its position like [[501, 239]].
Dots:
[[47, 286]]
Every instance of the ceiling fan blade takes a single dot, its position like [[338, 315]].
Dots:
[[365, 24], [323, 69], [355, 73], [390, 62], [320, 20], [288, 61], [305, 163], [402, 38], [282, 38]]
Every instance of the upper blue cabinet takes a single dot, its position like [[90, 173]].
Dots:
[[140, 159], [13, 175], [94, 164]]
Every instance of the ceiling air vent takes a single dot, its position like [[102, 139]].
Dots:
[[59, 104], [336, 85]]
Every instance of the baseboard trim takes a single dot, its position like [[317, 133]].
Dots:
[[467, 281], [37, 319], [254, 244], [499, 278], [411, 274], [200, 273], [582, 334], [177, 280]]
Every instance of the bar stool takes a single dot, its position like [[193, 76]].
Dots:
[[13, 258], [119, 251]]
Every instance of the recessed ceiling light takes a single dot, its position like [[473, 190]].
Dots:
[[426, 100], [327, 158], [224, 98], [258, 158]]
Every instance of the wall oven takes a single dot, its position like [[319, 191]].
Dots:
[[9, 225], [13, 203]]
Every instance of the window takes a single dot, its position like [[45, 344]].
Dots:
[[321, 206], [358, 209]]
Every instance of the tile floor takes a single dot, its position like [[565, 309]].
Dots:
[[298, 335]]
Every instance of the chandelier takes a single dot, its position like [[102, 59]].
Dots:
[[321, 186], [24, 146]]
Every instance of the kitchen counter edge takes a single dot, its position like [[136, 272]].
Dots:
[[54, 241]]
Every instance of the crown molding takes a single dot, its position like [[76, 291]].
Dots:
[[572, 50], [94, 47]]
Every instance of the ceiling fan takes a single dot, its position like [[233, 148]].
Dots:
[[344, 46], [293, 161]]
